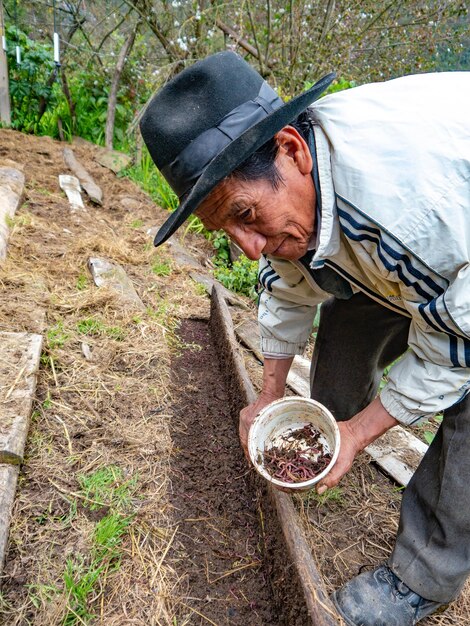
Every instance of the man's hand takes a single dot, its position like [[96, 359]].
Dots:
[[356, 434], [248, 414], [274, 383]]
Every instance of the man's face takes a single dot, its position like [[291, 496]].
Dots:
[[263, 220]]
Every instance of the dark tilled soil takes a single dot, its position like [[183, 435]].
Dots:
[[218, 519]]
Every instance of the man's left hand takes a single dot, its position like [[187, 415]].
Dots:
[[356, 434]]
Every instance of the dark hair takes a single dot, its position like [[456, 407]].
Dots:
[[261, 164]]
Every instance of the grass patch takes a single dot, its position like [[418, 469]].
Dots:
[[92, 326], [85, 576], [56, 336], [137, 224], [107, 487], [161, 268], [82, 282]]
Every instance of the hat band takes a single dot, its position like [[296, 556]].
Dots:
[[183, 172]]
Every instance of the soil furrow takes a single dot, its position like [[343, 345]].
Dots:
[[215, 508]]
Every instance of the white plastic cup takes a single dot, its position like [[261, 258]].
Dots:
[[290, 414]]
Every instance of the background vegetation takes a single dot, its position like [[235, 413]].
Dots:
[[116, 53]]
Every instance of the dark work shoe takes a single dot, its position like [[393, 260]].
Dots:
[[379, 598]]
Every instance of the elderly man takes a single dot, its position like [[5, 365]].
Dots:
[[360, 201]]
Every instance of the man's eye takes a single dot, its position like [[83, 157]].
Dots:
[[245, 215]]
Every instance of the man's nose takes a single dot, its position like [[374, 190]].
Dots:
[[251, 242]]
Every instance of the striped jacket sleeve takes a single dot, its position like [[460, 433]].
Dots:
[[434, 374], [287, 307]]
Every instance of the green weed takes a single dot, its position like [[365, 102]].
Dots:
[[107, 487], [108, 535], [56, 336], [429, 434], [82, 282], [41, 594], [80, 581], [84, 577], [161, 268], [335, 494], [47, 403], [93, 326], [200, 289], [137, 224]]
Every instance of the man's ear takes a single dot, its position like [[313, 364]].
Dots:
[[293, 145]]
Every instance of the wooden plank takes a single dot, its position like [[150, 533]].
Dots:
[[86, 181], [71, 186], [320, 608], [398, 452], [113, 277], [11, 192], [19, 362], [8, 481]]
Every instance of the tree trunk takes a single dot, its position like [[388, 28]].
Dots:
[[112, 99]]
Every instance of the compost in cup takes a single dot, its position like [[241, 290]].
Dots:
[[294, 442]]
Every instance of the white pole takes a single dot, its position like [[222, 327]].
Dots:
[[56, 49], [5, 112]]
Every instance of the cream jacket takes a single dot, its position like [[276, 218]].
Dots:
[[394, 168]]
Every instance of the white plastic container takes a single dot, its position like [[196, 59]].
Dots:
[[290, 414]]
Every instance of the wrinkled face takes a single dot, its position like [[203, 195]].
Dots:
[[263, 220]]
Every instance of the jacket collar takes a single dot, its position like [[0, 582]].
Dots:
[[328, 242]]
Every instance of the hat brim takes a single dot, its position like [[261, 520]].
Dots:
[[237, 152]]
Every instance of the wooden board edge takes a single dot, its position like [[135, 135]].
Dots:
[[319, 606], [8, 480]]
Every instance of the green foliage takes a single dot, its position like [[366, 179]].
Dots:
[[80, 580], [108, 536], [222, 249], [340, 84], [29, 80], [241, 277], [138, 223], [147, 176]]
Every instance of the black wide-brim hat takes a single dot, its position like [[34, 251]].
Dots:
[[207, 121]]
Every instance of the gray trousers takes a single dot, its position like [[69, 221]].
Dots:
[[356, 340]]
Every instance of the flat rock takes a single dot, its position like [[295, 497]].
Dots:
[[113, 276], [19, 362], [128, 203], [11, 192], [113, 160]]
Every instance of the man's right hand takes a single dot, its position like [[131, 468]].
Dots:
[[274, 382], [248, 414]]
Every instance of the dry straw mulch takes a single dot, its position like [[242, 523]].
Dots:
[[102, 402]]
